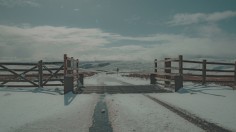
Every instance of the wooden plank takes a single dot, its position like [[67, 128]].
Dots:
[[208, 70], [35, 70], [167, 65], [192, 69], [226, 81], [53, 63], [40, 70], [220, 76], [181, 65], [216, 63], [221, 63], [65, 64], [8, 80], [19, 75], [77, 68], [18, 63], [235, 74], [188, 61], [53, 75], [204, 72], [155, 65], [30, 85]]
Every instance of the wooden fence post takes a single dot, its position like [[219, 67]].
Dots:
[[65, 65], [178, 82], [155, 62], [40, 78], [181, 65], [153, 79], [235, 74], [77, 68], [167, 70], [204, 72]]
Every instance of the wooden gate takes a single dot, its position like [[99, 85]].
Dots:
[[41, 74]]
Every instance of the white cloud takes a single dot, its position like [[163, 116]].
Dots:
[[187, 19], [14, 3], [35, 43]]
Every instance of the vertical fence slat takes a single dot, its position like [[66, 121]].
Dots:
[[181, 65], [155, 63], [167, 70], [40, 68], [65, 64], [235, 74], [77, 68], [204, 72]]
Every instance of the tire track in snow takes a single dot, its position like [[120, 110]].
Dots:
[[205, 125]]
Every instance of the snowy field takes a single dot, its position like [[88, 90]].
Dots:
[[30, 109]]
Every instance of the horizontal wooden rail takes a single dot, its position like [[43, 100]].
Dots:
[[203, 74], [18, 63], [53, 63], [9, 80], [32, 85], [212, 63], [192, 69], [197, 75], [224, 76], [35, 70], [188, 61], [220, 63], [208, 70]]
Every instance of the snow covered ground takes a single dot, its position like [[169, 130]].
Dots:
[[213, 103], [135, 112], [44, 111], [30, 109]]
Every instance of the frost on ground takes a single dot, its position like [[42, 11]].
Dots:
[[29, 111], [135, 112], [213, 103]]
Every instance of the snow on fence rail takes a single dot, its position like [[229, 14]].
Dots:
[[40, 74], [174, 68]]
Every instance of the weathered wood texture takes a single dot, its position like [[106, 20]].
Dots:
[[205, 75]]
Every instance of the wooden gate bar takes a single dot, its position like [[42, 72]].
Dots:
[[155, 63], [167, 65], [235, 74], [53, 75], [181, 65], [19, 75], [40, 69], [204, 72]]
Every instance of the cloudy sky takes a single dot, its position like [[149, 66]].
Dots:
[[117, 29]]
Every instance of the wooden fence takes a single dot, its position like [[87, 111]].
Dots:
[[40, 74], [175, 67]]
